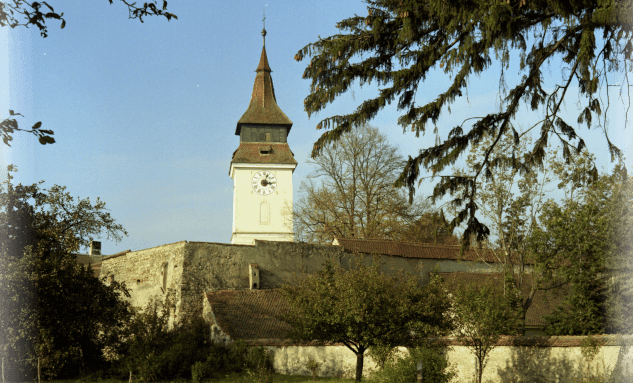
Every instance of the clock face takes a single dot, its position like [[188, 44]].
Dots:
[[264, 182]]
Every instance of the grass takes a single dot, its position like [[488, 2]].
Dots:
[[231, 378]]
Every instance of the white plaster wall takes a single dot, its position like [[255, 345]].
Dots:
[[247, 204], [338, 361], [505, 364], [533, 364]]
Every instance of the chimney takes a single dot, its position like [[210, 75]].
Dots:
[[95, 248], [253, 276]]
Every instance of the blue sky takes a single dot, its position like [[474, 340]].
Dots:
[[144, 114]]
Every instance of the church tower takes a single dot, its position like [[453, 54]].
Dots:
[[262, 166]]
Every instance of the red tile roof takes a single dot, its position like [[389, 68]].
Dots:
[[544, 341], [249, 152], [263, 108], [543, 303], [250, 314], [253, 314], [415, 249]]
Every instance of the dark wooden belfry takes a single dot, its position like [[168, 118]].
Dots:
[[263, 121]]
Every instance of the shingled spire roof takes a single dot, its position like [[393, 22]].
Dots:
[[263, 109]]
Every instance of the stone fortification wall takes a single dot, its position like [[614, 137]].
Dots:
[[188, 269], [216, 266], [150, 274]]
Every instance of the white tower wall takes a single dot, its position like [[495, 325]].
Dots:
[[265, 217]]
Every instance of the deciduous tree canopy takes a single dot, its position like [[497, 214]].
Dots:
[[399, 43], [350, 193], [53, 307], [362, 308]]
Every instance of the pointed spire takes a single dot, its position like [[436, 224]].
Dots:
[[263, 62], [263, 108]]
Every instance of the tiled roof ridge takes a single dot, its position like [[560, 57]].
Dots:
[[245, 289], [506, 340], [421, 244], [416, 249], [545, 341], [248, 152]]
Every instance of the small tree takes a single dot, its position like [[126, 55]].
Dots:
[[314, 366], [362, 308], [483, 313]]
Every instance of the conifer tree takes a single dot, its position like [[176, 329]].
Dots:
[[400, 42]]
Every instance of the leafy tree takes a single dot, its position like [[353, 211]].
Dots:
[[16, 13], [514, 205], [398, 44], [511, 202], [431, 227], [580, 243], [355, 196], [54, 308], [511, 216], [482, 313], [362, 308]]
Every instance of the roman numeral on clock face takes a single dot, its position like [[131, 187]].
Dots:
[[264, 182]]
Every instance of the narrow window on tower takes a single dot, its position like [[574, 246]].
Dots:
[[268, 137], [164, 275], [263, 213]]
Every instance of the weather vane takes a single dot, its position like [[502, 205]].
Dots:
[[264, 30]]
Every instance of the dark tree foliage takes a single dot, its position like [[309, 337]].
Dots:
[[17, 13], [401, 42], [53, 307], [583, 311], [582, 243]]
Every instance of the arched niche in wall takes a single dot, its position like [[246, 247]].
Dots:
[[264, 213]]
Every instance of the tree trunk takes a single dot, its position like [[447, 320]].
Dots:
[[360, 357], [480, 370]]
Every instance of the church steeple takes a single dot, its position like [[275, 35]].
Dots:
[[263, 108], [262, 166]]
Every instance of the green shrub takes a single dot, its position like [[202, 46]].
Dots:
[[259, 365], [154, 351], [198, 371], [226, 358], [314, 367], [404, 370], [259, 358]]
